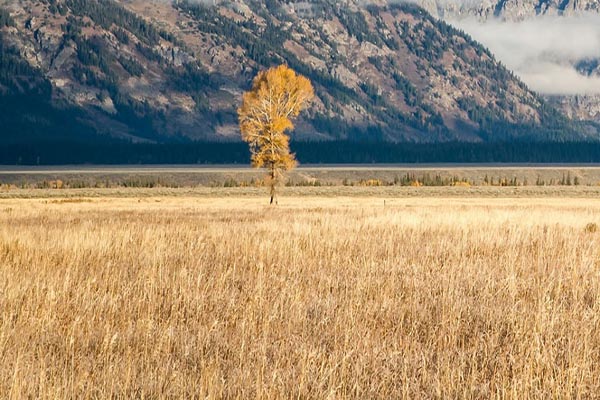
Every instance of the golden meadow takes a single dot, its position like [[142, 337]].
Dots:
[[221, 296]]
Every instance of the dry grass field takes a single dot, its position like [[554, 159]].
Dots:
[[321, 297]]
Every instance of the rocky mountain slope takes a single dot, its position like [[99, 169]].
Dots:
[[513, 10], [159, 71], [577, 107]]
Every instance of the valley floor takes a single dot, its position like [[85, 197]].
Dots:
[[363, 293], [320, 194], [194, 176]]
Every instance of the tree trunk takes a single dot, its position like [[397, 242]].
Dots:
[[272, 186]]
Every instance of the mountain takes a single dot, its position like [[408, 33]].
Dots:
[[512, 10], [584, 106], [155, 71]]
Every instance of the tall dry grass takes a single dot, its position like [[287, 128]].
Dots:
[[317, 298]]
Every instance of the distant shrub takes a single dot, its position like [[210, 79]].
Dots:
[[371, 182], [57, 184], [142, 182], [462, 184], [257, 182], [591, 228], [229, 183]]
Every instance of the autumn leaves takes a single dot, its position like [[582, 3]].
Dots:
[[278, 95]]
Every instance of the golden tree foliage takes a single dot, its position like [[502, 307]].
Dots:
[[277, 96]]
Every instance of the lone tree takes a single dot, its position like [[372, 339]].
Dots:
[[277, 96]]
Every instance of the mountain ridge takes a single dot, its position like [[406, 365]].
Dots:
[[583, 107], [158, 71], [513, 10]]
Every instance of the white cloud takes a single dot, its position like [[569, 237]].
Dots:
[[543, 50]]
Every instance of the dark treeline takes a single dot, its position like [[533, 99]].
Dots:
[[341, 152]]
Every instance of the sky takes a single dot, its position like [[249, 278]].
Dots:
[[543, 50]]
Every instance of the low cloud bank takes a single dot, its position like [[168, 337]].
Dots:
[[544, 50]]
